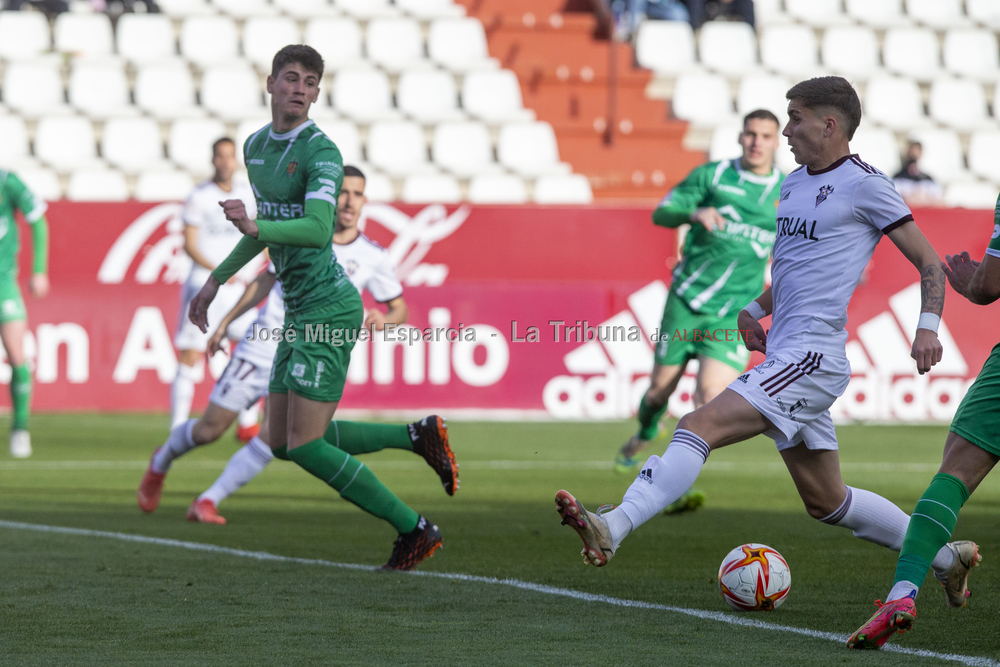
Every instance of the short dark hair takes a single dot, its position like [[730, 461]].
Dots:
[[351, 170], [302, 54], [219, 142], [761, 114], [834, 92]]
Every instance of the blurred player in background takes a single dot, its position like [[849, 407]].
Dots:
[[13, 316], [730, 206], [208, 239]]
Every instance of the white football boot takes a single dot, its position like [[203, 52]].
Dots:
[[20, 444]]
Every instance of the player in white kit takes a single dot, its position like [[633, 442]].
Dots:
[[831, 214], [208, 239]]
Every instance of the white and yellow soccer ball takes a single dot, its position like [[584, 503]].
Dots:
[[754, 577]]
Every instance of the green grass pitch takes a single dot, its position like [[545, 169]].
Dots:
[[84, 600]]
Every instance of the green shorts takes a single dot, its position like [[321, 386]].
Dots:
[[11, 302], [685, 334], [978, 416], [314, 364]]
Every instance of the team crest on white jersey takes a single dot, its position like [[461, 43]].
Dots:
[[824, 192], [351, 267]]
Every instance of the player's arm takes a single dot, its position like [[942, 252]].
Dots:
[[979, 282], [915, 247], [310, 231], [245, 250], [191, 247], [33, 209], [748, 321], [396, 314], [682, 205]]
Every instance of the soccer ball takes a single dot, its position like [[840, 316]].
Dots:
[[754, 577]]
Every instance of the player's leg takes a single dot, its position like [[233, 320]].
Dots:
[[183, 386], [13, 325], [248, 423]]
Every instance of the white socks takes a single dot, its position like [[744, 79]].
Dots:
[[244, 465], [181, 395], [249, 416], [901, 590], [663, 480], [176, 445]]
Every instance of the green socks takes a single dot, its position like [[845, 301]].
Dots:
[[357, 438], [20, 395], [931, 525], [355, 482], [649, 420], [281, 453]]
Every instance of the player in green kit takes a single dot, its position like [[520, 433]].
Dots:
[[296, 173], [13, 316], [730, 206]]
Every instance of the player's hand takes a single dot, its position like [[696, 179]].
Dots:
[[198, 310], [376, 317], [236, 213], [709, 218], [752, 332], [926, 350], [39, 285], [959, 269], [218, 341]]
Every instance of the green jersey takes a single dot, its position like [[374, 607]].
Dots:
[[286, 172], [723, 270], [15, 195]]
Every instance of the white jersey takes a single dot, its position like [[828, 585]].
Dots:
[[829, 223], [217, 236]]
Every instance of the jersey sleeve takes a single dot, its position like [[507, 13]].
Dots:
[[191, 213], [24, 199], [675, 209], [325, 173], [384, 285], [879, 204], [994, 247]]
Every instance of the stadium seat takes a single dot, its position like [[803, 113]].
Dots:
[[34, 88], [942, 154], [14, 147], [394, 44], [426, 10], [984, 147], [986, 12], [959, 103], [789, 49], [132, 144], [702, 99], [66, 142], [366, 9], [379, 187], [430, 189], [363, 94], [971, 194], [529, 149], [206, 40], [912, 52], [305, 9], [190, 143], [83, 34], [345, 134], [96, 185], [428, 96], [100, 89], [666, 47], [878, 13], [851, 51], [338, 40], [144, 37], [242, 9], [23, 35], [163, 185], [937, 14], [185, 8], [232, 91], [725, 144], [494, 97], [463, 148], [497, 189], [398, 147], [894, 102], [728, 47], [566, 189], [819, 13], [763, 91], [972, 53], [459, 45], [263, 36], [42, 182], [166, 90], [877, 147]]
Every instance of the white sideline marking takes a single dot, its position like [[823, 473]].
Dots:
[[731, 619]]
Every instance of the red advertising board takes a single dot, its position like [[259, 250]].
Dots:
[[587, 279]]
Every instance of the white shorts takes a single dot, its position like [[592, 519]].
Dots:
[[796, 396], [242, 384], [190, 337]]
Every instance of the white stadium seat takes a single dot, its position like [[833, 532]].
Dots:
[[338, 40], [34, 87], [305, 9], [728, 47], [911, 52], [366, 9], [42, 182], [398, 147], [763, 91], [83, 34], [972, 53], [877, 13], [937, 14], [666, 47], [974, 195], [984, 147], [725, 143], [206, 40], [942, 154], [166, 90], [96, 185], [394, 44], [431, 189], [265, 36], [242, 9], [190, 143], [143, 37], [959, 103], [894, 102], [789, 49], [345, 134], [702, 99], [767, 12], [986, 12], [23, 35], [529, 149], [363, 94], [459, 45], [820, 13], [100, 88], [497, 189], [851, 51], [379, 187], [185, 8], [494, 96], [163, 185], [14, 147], [426, 10], [463, 148], [132, 144], [65, 142], [877, 147], [566, 189], [428, 96], [232, 91]]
